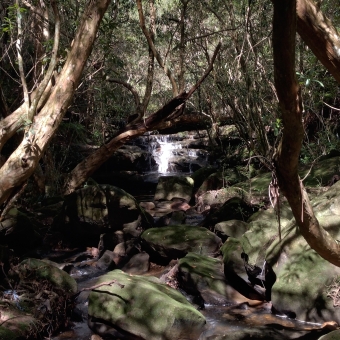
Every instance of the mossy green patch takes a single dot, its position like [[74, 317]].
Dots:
[[145, 308], [34, 268], [205, 272], [185, 238]]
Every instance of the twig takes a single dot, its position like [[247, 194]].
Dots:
[[108, 283]]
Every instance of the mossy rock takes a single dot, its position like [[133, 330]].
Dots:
[[144, 308], [220, 179], [16, 324], [170, 187], [257, 186], [322, 172], [176, 241], [234, 208], [96, 209], [36, 269], [200, 175], [334, 335], [203, 276], [231, 228], [303, 279]]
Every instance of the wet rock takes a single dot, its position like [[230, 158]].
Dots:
[[173, 218], [106, 261], [260, 333], [124, 251], [109, 240], [138, 264], [143, 308], [176, 241]]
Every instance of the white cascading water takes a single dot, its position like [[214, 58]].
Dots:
[[164, 153]]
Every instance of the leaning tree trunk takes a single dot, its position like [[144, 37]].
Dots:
[[23, 161], [167, 113], [317, 31], [287, 157]]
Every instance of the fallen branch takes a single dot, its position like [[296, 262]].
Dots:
[[108, 283]]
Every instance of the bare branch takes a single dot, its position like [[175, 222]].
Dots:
[[51, 67], [130, 88], [154, 50], [20, 60]]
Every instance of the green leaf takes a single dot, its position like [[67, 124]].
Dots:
[[319, 82]]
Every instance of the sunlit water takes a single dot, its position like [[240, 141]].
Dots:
[[164, 153]]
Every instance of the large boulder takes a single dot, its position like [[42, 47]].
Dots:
[[231, 228], [170, 187], [34, 269], [203, 277], [141, 307], [305, 281], [176, 241], [233, 208], [97, 209]]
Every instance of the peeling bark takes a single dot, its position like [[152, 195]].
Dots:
[[320, 35], [287, 156]]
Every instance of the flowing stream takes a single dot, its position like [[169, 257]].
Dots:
[[167, 153]]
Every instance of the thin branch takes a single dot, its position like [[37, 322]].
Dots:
[[332, 107], [213, 33], [51, 67], [129, 87], [206, 73], [154, 50], [20, 60]]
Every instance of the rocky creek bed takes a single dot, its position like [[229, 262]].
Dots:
[[199, 261]]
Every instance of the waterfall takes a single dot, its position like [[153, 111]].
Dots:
[[172, 154], [164, 153]]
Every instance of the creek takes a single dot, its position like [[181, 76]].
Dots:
[[250, 318]]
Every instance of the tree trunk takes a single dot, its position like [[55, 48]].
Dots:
[[320, 35], [23, 161], [287, 157]]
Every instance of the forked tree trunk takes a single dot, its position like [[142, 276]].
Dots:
[[287, 157], [24, 160]]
